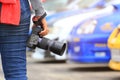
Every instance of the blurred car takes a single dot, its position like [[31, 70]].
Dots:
[[114, 46], [61, 31], [87, 42], [40, 54]]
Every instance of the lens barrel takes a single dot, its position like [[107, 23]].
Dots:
[[54, 46]]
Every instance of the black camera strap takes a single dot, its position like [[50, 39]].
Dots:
[[40, 19]]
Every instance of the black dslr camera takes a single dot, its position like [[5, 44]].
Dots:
[[35, 40]]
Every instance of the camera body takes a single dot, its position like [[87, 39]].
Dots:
[[35, 40]]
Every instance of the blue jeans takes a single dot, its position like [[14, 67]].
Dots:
[[13, 45]]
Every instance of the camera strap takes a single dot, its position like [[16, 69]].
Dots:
[[40, 19]]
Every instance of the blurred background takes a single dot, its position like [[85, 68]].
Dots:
[[91, 31]]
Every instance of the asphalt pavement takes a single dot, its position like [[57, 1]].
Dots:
[[60, 70], [70, 71]]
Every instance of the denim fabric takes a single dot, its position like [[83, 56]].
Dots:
[[13, 45]]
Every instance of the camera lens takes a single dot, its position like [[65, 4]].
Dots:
[[52, 45], [58, 47]]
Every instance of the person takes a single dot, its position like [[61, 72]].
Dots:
[[14, 28]]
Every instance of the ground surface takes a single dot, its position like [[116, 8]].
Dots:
[[68, 71]]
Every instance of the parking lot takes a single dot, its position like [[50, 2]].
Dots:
[[59, 70]]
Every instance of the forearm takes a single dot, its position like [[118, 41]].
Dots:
[[37, 7]]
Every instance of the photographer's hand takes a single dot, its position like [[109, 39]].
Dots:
[[43, 24], [45, 28]]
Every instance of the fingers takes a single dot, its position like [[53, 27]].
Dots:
[[44, 32], [45, 28]]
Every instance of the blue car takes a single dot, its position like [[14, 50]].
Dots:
[[87, 42], [66, 11]]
